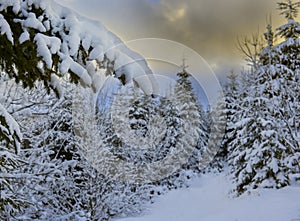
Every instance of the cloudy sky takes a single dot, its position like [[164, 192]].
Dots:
[[209, 27]]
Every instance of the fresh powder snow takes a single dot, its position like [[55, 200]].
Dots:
[[209, 199]]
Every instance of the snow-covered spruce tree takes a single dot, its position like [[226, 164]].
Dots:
[[258, 151], [223, 125], [144, 130], [22, 104], [280, 68], [287, 56], [202, 144], [265, 152], [42, 41], [31, 189], [280, 86], [217, 119], [60, 183], [11, 200], [152, 129], [9, 129], [187, 111], [253, 159], [144, 122], [51, 160], [237, 105], [234, 92], [245, 154], [231, 95], [119, 198], [140, 127], [171, 118]]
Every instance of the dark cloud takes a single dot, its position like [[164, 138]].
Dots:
[[210, 27], [127, 18]]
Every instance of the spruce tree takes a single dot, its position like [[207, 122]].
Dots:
[[189, 112], [41, 41], [265, 150]]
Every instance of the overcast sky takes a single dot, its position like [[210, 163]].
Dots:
[[209, 27]]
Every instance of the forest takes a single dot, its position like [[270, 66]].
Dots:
[[64, 158]]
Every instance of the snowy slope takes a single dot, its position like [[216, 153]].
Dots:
[[207, 200]]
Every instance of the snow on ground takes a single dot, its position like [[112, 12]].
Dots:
[[207, 200]]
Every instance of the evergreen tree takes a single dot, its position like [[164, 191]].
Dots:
[[40, 44], [142, 127], [257, 151], [11, 200], [265, 150], [288, 59], [190, 113], [232, 96], [219, 136], [171, 118]]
